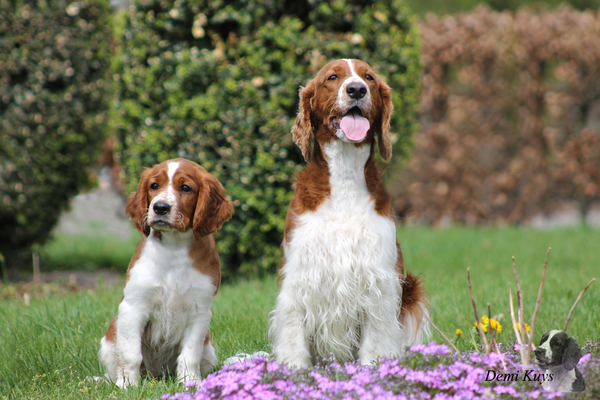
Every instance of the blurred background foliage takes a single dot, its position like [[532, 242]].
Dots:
[[503, 102], [54, 97], [442, 7], [510, 117], [217, 82]]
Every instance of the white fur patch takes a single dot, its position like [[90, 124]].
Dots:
[[546, 344]]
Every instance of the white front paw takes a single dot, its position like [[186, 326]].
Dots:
[[188, 376], [298, 362], [130, 378], [185, 374]]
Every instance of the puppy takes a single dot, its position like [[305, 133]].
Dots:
[[163, 319], [559, 353]]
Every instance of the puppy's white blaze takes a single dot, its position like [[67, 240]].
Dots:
[[172, 168], [168, 195], [340, 287], [546, 344]]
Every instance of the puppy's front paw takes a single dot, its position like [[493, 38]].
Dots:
[[126, 379]]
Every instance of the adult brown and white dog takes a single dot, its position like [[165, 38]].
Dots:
[[163, 319], [344, 291]]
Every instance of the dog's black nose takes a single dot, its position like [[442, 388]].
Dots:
[[161, 208], [539, 353], [356, 90]]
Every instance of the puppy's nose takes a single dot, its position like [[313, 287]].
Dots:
[[161, 208], [356, 90], [539, 352]]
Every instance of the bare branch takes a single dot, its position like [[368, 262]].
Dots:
[[492, 331], [537, 303], [483, 338], [515, 328], [493, 335], [441, 333], [575, 304], [520, 315]]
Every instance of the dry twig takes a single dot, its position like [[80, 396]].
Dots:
[[493, 335], [537, 303], [442, 334], [481, 334], [522, 351], [520, 312], [575, 304]]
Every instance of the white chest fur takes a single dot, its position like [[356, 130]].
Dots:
[[340, 260], [164, 285]]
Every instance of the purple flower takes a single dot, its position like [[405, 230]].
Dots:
[[416, 375]]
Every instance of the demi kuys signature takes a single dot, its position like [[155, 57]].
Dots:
[[528, 376]]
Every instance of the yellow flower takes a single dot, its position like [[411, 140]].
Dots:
[[495, 325], [485, 320], [527, 327], [458, 333], [483, 326]]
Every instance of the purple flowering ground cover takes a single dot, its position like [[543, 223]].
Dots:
[[425, 372]]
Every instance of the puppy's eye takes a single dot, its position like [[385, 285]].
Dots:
[[332, 78], [185, 188], [369, 77], [154, 186]]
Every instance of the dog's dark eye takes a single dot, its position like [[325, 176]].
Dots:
[[154, 186], [185, 188], [369, 77], [332, 78]]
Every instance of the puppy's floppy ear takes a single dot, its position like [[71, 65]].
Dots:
[[382, 126], [572, 354], [302, 129], [137, 205], [212, 209]]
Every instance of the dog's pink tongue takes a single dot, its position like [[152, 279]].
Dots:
[[355, 127]]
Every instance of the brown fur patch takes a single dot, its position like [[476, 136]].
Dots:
[[205, 258], [413, 294], [111, 332], [213, 208], [136, 256], [312, 185], [399, 261], [383, 201]]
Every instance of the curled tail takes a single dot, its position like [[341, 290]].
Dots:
[[414, 314]]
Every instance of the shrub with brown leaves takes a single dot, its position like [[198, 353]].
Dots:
[[510, 117]]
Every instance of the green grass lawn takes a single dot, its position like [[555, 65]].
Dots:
[[49, 348]]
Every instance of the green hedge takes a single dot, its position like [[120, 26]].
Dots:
[[54, 59], [217, 82]]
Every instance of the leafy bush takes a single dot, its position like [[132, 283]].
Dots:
[[217, 83], [54, 59]]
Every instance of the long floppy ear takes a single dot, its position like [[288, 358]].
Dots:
[[213, 209], [571, 355], [302, 129], [137, 205], [382, 128]]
